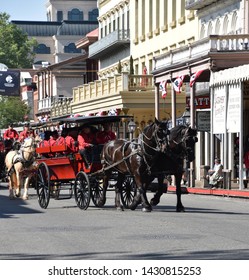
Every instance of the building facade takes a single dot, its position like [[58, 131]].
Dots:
[[67, 22], [131, 34], [222, 44]]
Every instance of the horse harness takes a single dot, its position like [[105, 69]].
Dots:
[[19, 157]]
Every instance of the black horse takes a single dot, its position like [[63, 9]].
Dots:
[[136, 159], [182, 141]]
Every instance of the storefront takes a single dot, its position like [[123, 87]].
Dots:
[[230, 116]]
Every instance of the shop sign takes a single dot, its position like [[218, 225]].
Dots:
[[201, 102], [203, 120]]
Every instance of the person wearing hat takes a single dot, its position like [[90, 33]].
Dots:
[[10, 135], [25, 133], [106, 134]]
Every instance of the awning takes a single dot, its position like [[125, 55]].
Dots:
[[230, 75]]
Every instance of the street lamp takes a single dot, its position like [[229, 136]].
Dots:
[[186, 117], [131, 128]]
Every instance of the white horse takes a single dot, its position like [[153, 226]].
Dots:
[[20, 164]]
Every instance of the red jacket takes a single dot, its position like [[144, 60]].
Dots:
[[85, 140], [103, 137], [70, 144], [23, 135], [10, 134]]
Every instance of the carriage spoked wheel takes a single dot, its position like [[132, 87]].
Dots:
[[128, 191], [82, 190], [97, 192], [43, 185]]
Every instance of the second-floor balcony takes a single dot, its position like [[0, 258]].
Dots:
[[45, 104], [109, 43], [223, 50]]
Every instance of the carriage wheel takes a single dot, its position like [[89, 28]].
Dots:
[[128, 191], [82, 190], [97, 193], [43, 185]]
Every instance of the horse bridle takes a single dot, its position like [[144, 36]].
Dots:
[[184, 140], [155, 136]]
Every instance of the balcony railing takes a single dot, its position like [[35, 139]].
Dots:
[[213, 43], [47, 103], [109, 42], [112, 86]]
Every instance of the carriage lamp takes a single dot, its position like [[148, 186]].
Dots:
[[131, 128]]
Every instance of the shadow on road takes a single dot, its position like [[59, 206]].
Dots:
[[242, 254], [10, 208]]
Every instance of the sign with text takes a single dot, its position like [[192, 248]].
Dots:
[[201, 102], [203, 120], [219, 110], [10, 83], [234, 108]]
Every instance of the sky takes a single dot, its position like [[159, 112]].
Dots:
[[34, 10]]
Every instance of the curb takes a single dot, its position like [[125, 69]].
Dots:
[[218, 192]]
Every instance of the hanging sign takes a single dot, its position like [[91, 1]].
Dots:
[[10, 83]]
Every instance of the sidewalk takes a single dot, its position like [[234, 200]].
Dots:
[[219, 192]]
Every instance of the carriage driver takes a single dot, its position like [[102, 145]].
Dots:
[[10, 135], [86, 140], [106, 134], [25, 133]]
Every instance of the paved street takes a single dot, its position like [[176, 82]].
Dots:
[[211, 228]]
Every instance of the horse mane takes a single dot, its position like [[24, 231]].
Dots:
[[176, 131]]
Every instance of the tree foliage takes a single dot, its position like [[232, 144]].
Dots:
[[12, 110], [16, 49]]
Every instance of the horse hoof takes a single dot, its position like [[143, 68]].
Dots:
[[180, 209], [153, 202], [119, 208], [11, 197], [25, 197], [146, 209]]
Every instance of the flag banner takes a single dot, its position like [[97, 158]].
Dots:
[[194, 77], [177, 84], [163, 88], [10, 83]]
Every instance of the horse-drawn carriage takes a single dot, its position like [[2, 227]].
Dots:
[[64, 174], [128, 166]]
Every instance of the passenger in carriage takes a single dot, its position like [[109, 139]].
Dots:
[[106, 134], [72, 145], [56, 139], [45, 141], [86, 140]]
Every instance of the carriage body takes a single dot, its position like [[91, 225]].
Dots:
[[60, 171]]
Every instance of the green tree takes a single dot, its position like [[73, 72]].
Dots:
[[12, 109], [16, 49]]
